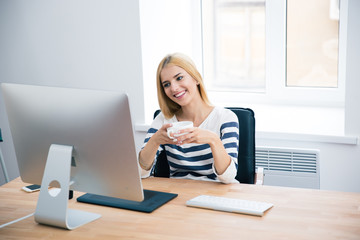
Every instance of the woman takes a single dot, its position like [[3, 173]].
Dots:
[[207, 151]]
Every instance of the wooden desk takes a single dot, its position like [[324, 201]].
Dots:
[[297, 214]]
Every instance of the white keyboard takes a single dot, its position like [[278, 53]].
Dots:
[[229, 204]]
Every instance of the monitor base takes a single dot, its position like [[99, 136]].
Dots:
[[52, 206]]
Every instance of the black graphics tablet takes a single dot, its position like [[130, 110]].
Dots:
[[152, 200]]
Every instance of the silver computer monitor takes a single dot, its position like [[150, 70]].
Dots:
[[95, 124]]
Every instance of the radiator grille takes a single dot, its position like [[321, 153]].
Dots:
[[287, 160]]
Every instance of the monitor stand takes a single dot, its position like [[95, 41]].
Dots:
[[52, 207]]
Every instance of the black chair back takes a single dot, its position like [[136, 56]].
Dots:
[[161, 168], [246, 156]]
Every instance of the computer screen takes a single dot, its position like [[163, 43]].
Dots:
[[97, 127]]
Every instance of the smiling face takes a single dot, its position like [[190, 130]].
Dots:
[[179, 83], [179, 86]]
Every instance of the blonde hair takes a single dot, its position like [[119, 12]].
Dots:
[[167, 106]]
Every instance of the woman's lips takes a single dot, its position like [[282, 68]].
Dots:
[[180, 94]]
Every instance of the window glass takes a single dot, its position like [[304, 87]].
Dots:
[[312, 43], [234, 44]]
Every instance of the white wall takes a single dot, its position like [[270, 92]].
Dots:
[[352, 97], [83, 43]]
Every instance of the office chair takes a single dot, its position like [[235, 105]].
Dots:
[[246, 157], [2, 161]]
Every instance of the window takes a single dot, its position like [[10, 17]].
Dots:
[[234, 44], [298, 41]]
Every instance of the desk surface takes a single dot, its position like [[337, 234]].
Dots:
[[297, 214]]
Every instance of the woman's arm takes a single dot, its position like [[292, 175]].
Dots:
[[222, 159], [148, 153]]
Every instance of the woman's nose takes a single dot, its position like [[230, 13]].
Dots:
[[174, 86]]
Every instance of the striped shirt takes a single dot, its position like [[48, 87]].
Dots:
[[195, 161]]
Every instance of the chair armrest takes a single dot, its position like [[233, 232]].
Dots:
[[259, 176]]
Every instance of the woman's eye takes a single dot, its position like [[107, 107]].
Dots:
[[165, 85], [179, 78]]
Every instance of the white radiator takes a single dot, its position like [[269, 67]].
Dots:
[[289, 167]]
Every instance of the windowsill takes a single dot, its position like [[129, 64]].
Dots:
[[299, 119], [351, 140], [296, 123]]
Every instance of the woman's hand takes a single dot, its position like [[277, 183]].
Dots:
[[161, 136], [195, 135], [147, 154]]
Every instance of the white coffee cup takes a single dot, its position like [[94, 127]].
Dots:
[[177, 126]]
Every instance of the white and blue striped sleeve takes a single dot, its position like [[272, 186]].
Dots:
[[229, 135], [155, 126]]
